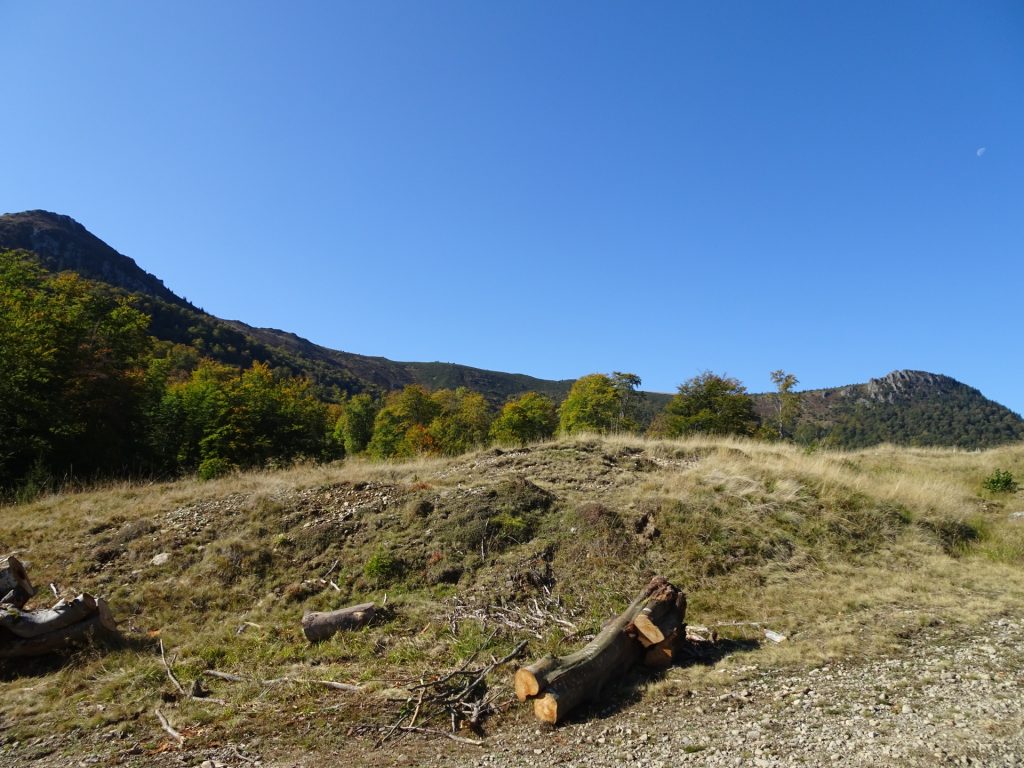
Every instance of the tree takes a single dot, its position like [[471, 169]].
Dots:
[[710, 404], [463, 423], [593, 404], [72, 374], [787, 402], [355, 426], [393, 427], [629, 401], [529, 418]]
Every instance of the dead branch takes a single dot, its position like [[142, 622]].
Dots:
[[167, 727], [170, 672]]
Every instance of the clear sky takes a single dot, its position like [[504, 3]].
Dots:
[[552, 188]]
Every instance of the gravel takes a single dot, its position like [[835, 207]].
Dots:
[[956, 701]]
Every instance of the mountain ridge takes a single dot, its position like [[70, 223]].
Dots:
[[903, 406]]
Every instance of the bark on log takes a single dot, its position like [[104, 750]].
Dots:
[[560, 684], [58, 628], [320, 625], [40, 622], [15, 587]]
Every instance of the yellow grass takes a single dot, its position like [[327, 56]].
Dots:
[[845, 553]]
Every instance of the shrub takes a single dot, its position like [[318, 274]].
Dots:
[[213, 468], [383, 567], [1000, 481]]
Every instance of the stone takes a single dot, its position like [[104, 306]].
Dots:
[[160, 559]]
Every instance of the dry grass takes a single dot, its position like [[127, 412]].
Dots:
[[846, 553]]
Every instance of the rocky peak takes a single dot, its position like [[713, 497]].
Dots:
[[902, 384], [64, 244]]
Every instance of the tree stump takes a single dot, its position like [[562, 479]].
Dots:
[[558, 684], [320, 625]]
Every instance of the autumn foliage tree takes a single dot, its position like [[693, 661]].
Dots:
[[529, 418], [592, 405]]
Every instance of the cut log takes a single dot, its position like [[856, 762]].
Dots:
[[90, 615], [558, 685], [663, 654], [664, 604], [531, 679], [320, 625], [15, 587]]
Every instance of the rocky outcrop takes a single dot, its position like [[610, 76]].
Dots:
[[64, 244]]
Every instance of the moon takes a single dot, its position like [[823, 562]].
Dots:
[[981, 151]]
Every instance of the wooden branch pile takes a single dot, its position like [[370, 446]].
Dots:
[[461, 697], [533, 616], [650, 630], [45, 630]]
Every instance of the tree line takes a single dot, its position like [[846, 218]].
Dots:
[[86, 393]]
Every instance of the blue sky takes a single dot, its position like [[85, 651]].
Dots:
[[552, 188]]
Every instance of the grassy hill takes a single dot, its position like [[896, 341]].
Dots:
[[848, 554]]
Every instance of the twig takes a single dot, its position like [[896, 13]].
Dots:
[[240, 756], [331, 569], [170, 672], [335, 685], [416, 712], [167, 727], [276, 680], [225, 676]]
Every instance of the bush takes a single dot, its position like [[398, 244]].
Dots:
[[1000, 481], [383, 567], [213, 468]]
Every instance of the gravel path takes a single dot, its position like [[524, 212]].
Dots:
[[958, 702]]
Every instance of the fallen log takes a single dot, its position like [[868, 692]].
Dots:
[[320, 625], [558, 685], [15, 587], [34, 633], [29, 624]]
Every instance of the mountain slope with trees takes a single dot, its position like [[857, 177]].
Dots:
[[108, 373], [61, 243], [905, 408]]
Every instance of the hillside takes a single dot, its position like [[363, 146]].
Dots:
[[63, 244], [879, 566], [904, 407]]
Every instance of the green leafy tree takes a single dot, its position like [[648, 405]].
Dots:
[[710, 404], [72, 375], [593, 404], [355, 426], [388, 432], [787, 403], [630, 401], [529, 418], [400, 428], [463, 422]]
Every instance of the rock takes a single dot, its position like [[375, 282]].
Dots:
[[160, 559]]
